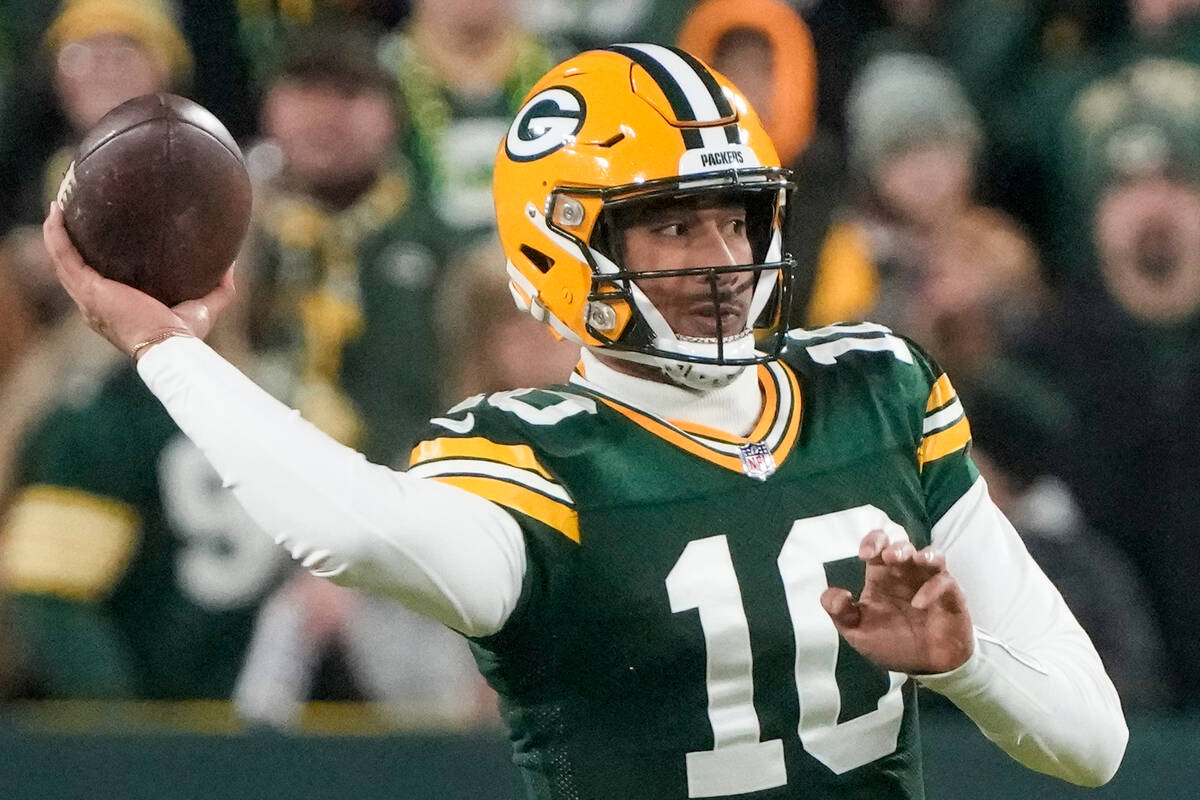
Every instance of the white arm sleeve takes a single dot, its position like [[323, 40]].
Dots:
[[1035, 684], [439, 550]]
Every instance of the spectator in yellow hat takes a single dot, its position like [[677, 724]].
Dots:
[[95, 55], [105, 52], [108, 51]]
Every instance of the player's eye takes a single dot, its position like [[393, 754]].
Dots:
[[671, 229]]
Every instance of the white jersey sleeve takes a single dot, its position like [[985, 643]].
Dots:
[[1035, 685], [437, 549]]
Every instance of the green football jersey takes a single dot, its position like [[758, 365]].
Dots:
[[130, 570], [669, 641]]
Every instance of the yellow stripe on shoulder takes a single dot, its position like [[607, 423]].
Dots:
[[66, 542], [515, 455], [943, 443], [559, 516], [940, 394]]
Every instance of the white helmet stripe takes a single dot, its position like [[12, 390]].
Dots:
[[703, 106]]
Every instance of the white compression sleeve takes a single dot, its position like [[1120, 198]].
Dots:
[[1035, 684], [439, 550]]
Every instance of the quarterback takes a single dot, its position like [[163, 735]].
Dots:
[[719, 561]]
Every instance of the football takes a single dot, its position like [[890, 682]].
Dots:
[[158, 197]]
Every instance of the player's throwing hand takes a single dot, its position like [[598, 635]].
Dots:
[[911, 616], [130, 319]]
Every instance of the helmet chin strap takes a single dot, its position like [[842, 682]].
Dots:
[[708, 376], [702, 376], [693, 375]]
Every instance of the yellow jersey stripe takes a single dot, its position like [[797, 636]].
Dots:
[[770, 390], [940, 394], [705, 432], [768, 421], [943, 443], [675, 437], [66, 542], [790, 437], [558, 516], [515, 455]]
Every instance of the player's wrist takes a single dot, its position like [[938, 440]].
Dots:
[[955, 676], [139, 349]]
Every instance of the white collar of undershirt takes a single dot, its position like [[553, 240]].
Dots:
[[734, 408]]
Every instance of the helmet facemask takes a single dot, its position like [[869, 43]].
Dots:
[[699, 362]]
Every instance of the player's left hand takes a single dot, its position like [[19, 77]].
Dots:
[[911, 616]]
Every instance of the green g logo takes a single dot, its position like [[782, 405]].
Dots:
[[547, 122]]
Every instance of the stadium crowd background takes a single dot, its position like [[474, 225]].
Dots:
[[1015, 185]]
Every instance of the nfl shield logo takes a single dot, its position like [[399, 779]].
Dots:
[[757, 461]]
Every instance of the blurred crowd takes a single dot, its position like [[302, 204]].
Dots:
[[1012, 184]]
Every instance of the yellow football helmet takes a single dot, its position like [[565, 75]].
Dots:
[[606, 130]]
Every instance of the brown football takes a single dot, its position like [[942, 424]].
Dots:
[[158, 197]]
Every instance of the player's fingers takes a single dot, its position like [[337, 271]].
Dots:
[[58, 241], [872, 545], [931, 558], [900, 553], [223, 295], [200, 315], [940, 589], [840, 606], [196, 316], [901, 570], [78, 280], [68, 264]]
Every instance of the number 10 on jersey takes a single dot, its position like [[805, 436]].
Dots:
[[704, 578]]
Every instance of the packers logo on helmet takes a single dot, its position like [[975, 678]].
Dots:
[[603, 133], [545, 123]]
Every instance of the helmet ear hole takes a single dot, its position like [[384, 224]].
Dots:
[[540, 260]]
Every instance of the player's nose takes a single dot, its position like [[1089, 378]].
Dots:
[[713, 247]]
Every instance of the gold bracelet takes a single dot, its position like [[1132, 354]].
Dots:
[[161, 336]]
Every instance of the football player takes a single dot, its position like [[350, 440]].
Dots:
[[720, 560]]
